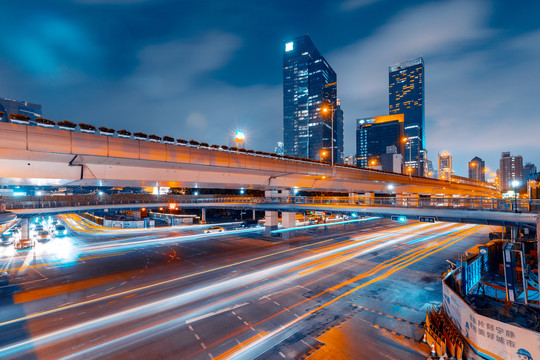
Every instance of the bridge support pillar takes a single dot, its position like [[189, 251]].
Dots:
[[203, 215], [270, 222], [25, 229], [253, 215], [538, 248], [288, 221]]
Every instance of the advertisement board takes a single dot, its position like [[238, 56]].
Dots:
[[490, 338]]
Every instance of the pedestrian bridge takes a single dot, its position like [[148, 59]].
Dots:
[[505, 212], [33, 155]]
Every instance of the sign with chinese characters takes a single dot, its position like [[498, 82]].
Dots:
[[488, 337]]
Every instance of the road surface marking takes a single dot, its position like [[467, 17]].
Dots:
[[207, 315], [282, 354]]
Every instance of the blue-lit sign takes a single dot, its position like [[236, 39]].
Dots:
[[289, 46]]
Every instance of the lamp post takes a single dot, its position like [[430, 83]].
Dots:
[[408, 140], [239, 137], [325, 110], [515, 184]]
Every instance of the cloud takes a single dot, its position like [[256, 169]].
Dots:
[[349, 5], [469, 85]]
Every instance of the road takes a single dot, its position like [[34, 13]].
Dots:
[[360, 290]]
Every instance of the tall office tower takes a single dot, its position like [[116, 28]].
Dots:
[[511, 168], [529, 172], [310, 105], [374, 135], [445, 166], [477, 168], [9, 107], [406, 96]]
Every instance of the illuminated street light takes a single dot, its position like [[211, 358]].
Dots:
[[100, 193], [515, 184], [242, 191], [239, 137], [325, 109], [196, 193]]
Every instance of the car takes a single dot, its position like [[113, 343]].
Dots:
[[60, 230], [24, 244], [249, 223], [213, 229], [43, 235], [7, 238]]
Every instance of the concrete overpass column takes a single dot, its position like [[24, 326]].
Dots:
[[25, 229], [538, 247], [203, 215], [253, 216], [271, 220], [288, 221]]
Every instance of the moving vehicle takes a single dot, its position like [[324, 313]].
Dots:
[[60, 230], [249, 223], [213, 229], [42, 235], [24, 244], [7, 238]]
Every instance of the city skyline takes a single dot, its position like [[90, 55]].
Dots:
[[160, 79]]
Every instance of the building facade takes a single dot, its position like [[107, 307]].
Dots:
[[445, 166], [9, 107], [310, 104], [374, 135], [477, 168], [406, 96], [510, 168], [529, 172]]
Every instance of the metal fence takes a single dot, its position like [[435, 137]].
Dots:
[[507, 205]]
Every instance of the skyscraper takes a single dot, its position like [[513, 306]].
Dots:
[[309, 87], [445, 166], [529, 172], [406, 96], [374, 135], [477, 169], [9, 107], [510, 168]]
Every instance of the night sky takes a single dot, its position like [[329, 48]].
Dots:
[[202, 69]]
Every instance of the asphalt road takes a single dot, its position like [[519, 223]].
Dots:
[[356, 292]]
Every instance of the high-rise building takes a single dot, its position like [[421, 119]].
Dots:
[[511, 168], [445, 166], [9, 107], [529, 172], [406, 96], [477, 168], [310, 104], [374, 135]]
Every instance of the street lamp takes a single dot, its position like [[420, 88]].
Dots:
[[239, 137], [325, 110], [515, 184], [408, 140], [324, 153]]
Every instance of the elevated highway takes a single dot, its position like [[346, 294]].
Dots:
[[31, 155]]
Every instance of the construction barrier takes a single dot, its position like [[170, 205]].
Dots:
[[441, 334]]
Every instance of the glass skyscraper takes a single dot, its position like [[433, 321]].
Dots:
[[375, 135], [309, 86], [10, 107], [406, 96]]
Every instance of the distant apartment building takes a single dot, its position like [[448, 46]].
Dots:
[[445, 166], [511, 168], [477, 168], [374, 135], [350, 160], [9, 107], [406, 96], [312, 115], [529, 172]]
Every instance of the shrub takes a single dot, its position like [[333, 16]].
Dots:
[[66, 123], [193, 142], [140, 135], [181, 141], [107, 130], [224, 147], [19, 117], [168, 139], [234, 148], [87, 126], [45, 121], [203, 144], [155, 137], [124, 132], [215, 146]]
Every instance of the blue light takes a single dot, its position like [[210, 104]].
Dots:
[[196, 193], [289, 46], [242, 191], [354, 215], [402, 219]]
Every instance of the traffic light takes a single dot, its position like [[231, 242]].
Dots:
[[400, 219], [429, 219]]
